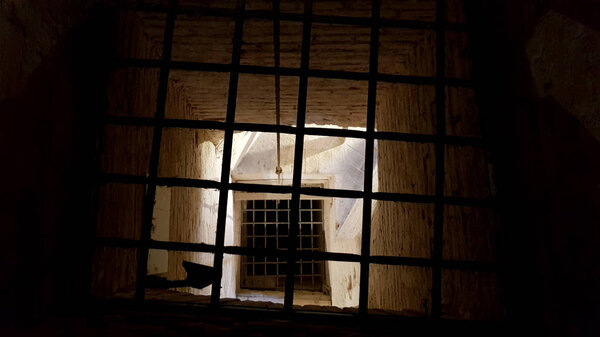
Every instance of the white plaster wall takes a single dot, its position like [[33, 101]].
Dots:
[[211, 158], [344, 277], [340, 158], [158, 260], [242, 141], [342, 161], [230, 262], [208, 207]]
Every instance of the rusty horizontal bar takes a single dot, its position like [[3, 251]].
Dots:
[[481, 266], [286, 129], [284, 71], [299, 17], [283, 189]]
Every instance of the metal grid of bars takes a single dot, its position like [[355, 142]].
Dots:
[[265, 224], [292, 254]]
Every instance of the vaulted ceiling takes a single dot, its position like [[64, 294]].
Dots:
[[203, 95]]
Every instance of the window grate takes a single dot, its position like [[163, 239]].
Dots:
[[265, 224], [287, 258]]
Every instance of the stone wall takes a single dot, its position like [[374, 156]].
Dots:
[[185, 153], [193, 211], [406, 229]]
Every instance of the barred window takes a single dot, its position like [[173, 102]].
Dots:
[[376, 94], [266, 225]]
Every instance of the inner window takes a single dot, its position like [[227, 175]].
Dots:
[[265, 224]]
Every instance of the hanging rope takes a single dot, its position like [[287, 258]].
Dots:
[[278, 169]]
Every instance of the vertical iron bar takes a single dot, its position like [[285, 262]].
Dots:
[[95, 196], [277, 243], [363, 302], [440, 102], [298, 154], [227, 149], [276, 32], [253, 242], [150, 195], [311, 238]]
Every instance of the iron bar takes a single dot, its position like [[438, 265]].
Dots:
[[150, 196], [286, 129], [227, 150], [298, 154], [312, 191], [276, 30], [440, 147], [285, 71], [481, 266], [297, 17], [363, 303]]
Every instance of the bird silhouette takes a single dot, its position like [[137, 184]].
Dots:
[[198, 276]]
